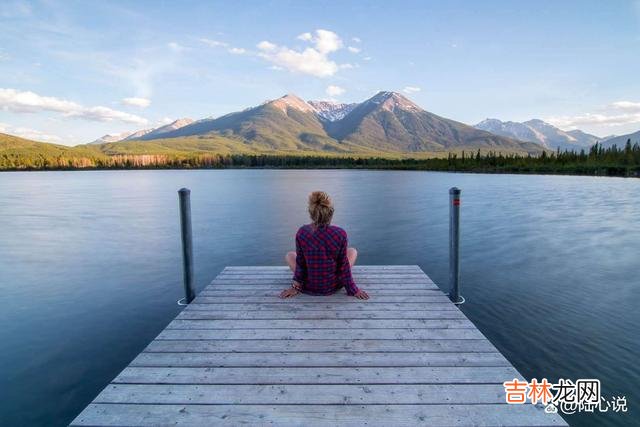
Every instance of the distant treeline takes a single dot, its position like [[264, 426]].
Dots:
[[597, 160]]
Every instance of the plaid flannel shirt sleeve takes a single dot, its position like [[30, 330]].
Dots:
[[300, 275], [344, 270]]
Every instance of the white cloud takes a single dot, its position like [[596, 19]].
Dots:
[[333, 90], [411, 89], [106, 114], [30, 102], [572, 122], [213, 43], [164, 121], [354, 49], [626, 105], [267, 46], [312, 60], [137, 102], [176, 47], [28, 133], [356, 40], [327, 41], [615, 114], [367, 58], [218, 43]]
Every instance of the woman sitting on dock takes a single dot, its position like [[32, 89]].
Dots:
[[322, 261]]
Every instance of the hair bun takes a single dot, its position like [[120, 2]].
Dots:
[[320, 208], [320, 198]]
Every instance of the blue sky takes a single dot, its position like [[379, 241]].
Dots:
[[73, 71]]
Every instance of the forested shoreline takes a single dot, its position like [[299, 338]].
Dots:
[[600, 161]]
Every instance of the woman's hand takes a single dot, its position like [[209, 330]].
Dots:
[[289, 292], [361, 294]]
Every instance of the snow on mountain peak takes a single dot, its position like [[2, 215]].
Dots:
[[129, 136], [331, 111], [112, 137], [538, 131], [177, 124], [489, 122], [137, 134], [174, 125], [393, 100]]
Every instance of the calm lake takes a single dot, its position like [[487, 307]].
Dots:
[[90, 266]]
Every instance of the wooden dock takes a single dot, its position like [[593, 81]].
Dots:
[[240, 355]]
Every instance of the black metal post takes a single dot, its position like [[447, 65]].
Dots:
[[454, 246], [187, 244]]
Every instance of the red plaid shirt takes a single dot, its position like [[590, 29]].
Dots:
[[322, 266]]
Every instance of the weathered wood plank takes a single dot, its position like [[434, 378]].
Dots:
[[334, 299], [321, 375], [356, 272], [318, 334], [371, 275], [356, 268], [321, 324], [364, 284], [354, 359], [291, 394], [336, 345], [410, 275], [362, 276], [214, 314], [294, 306], [359, 281], [240, 355], [357, 277], [279, 286], [213, 292], [316, 415]]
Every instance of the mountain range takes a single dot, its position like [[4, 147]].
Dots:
[[144, 133], [540, 132], [385, 125], [621, 141], [388, 122]]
